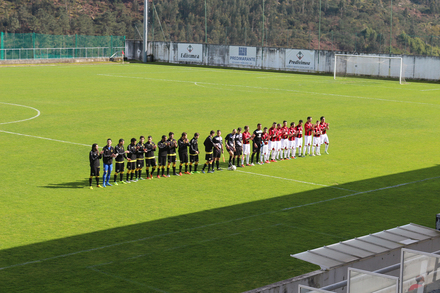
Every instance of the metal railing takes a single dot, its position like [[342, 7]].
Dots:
[[57, 53]]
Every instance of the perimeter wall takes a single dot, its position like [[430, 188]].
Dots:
[[296, 60]]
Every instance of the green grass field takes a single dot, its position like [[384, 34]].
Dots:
[[222, 232]]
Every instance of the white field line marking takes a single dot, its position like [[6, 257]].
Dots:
[[299, 181], [270, 89], [214, 224], [38, 113], [429, 90], [51, 139]]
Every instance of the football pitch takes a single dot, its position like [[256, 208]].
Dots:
[[222, 232]]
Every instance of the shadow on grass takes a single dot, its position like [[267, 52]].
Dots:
[[73, 184], [229, 249]]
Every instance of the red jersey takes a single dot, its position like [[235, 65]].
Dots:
[[308, 127], [317, 131], [292, 132], [279, 134], [272, 133], [265, 138], [246, 136], [299, 131], [323, 127], [284, 132]]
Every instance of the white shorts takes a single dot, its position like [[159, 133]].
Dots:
[[307, 140], [272, 145], [291, 144], [284, 143], [298, 142], [278, 148], [246, 149], [324, 139], [265, 149], [316, 141]]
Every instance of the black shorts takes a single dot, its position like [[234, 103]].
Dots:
[[256, 149], [194, 158], [162, 160], [119, 167], [94, 171], [150, 162], [140, 163], [208, 157], [172, 159], [217, 153], [238, 150], [131, 165], [183, 157]]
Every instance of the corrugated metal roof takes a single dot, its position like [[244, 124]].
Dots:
[[358, 248]]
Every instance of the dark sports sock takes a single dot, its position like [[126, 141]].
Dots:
[[148, 172], [204, 166], [140, 173], [152, 171], [131, 175], [180, 168], [97, 180], [252, 158], [190, 167], [218, 164], [163, 170], [174, 170], [136, 174], [186, 167], [195, 167], [128, 174], [230, 160], [121, 176], [115, 177], [168, 171], [90, 181]]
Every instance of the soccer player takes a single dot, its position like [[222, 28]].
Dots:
[[194, 153], [256, 144], [273, 141], [131, 164], [230, 145], [298, 138], [150, 160], [308, 129], [218, 149], [316, 139], [140, 147], [238, 147], [246, 136], [108, 155], [278, 142], [94, 157], [163, 152], [324, 138], [284, 141], [208, 152], [183, 152], [172, 145], [291, 143], [119, 162], [265, 139]]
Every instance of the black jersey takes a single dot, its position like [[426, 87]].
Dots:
[[257, 136], [183, 146], [193, 146], [150, 147], [163, 148], [107, 155], [238, 140], [230, 140], [131, 151], [208, 144], [172, 144], [94, 158], [218, 142], [120, 153], [140, 150]]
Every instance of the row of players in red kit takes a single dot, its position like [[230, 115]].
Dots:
[[279, 142]]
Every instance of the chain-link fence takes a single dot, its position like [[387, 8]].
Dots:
[[42, 46]]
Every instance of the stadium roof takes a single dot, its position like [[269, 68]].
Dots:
[[366, 246]]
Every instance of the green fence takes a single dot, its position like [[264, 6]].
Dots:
[[42, 46]]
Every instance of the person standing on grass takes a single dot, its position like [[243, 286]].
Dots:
[[172, 145], [183, 152], [140, 158], [265, 139], [298, 138], [238, 147], [94, 157], [208, 152], [230, 145], [218, 149], [308, 129], [150, 160], [316, 139], [324, 138], [284, 141], [246, 136], [273, 141], [163, 152], [108, 155], [131, 164], [256, 144], [119, 162], [291, 143], [194, 153]]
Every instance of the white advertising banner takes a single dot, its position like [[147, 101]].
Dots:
[[242, 55], [300, 59], [190, 52]]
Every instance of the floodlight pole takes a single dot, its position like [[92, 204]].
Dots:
[[144, 57], [206, 27], [391, 25]]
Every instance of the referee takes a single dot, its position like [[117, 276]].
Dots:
[[208, 152], [256, 144]]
